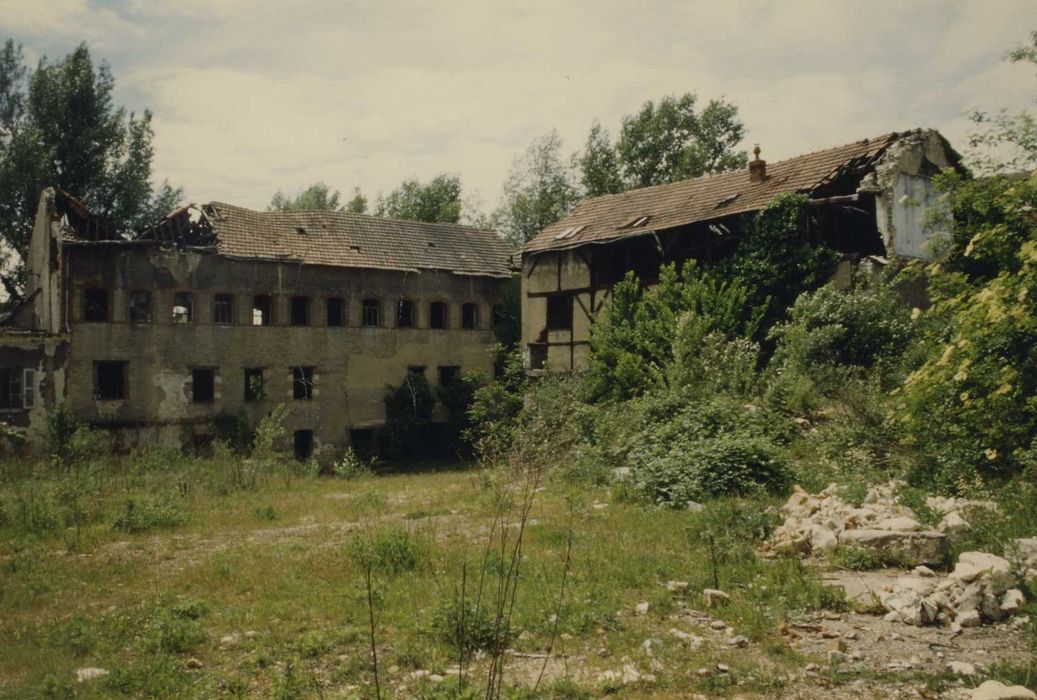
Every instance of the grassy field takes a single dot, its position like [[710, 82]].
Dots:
[[195, 578]]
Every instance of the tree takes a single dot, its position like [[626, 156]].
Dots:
[[358, 204], [670, 142], [315, 197], [599, 167], [439, 201], [539, 191], [60, 128]]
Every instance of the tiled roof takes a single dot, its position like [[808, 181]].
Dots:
[[356, 240], [711, 197]]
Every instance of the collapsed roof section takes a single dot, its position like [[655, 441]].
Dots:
[[651, 209], [77, 221], [336, 238]]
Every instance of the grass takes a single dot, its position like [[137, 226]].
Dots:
[[207, 588]]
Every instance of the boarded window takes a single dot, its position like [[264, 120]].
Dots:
[[470, 316], [560, 312], [405, 314], [140, 306], [448, 374], [95, 305], [336, 312], [300, 311], [302, 444], [437, 315], [223, 309], [262, 310], [203, 385], [372, 313], [10, 387], [183, 307], [109, 380], [254, 384], [302, 383]]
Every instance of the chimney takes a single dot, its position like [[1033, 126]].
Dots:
[[757, 167]]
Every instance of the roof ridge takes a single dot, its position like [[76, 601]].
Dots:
[[348, 214], [889, 135]]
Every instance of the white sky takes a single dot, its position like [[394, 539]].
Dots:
[[250, 96]]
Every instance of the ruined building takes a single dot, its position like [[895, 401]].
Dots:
[[219, 313], [870, 199]]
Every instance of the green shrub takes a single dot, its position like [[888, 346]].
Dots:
[[175, 628], [146, 513], [391, 551], [466, 629], [408, 429]]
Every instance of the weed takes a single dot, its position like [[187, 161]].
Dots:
[[146, 513]]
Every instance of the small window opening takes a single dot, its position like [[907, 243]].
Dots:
[[203, 385], [362, 441], [437, 315], [95, 305], [109, 380], [300, 230], [470, 316], [302, 444], [223, 309], [183, 307], [300, 311], [28, 388], [416, 369], [11, 387], [336, 312], [372, 313], [560, 312], [262, 310], [448, 374], [254, 390], [405, 314], [302, 383], [140, 306], [727, 200]]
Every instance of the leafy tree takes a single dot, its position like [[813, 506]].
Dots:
[[775, 258], [60, 128], [358, 204], [599, 167], [315, 197], [669, 141], [539, 191], [633, 338], [438, 201]]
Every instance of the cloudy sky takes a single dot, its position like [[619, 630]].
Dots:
[[250, 96]]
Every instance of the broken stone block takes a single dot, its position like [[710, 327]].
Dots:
[[972, 565], [922, 547], [995, 690], [900, 524], [969, 618], [714, 597], [1012, 601], [89, 673], [952, 523], [961, 668]]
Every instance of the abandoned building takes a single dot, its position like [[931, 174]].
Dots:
[[219, 312], [869, 197]]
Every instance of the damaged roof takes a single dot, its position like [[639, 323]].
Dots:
[[339, 239], [642, 211]]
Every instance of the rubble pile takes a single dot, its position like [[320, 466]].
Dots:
[[818, 523], [983, 588]]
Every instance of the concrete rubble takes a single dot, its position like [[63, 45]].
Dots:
[[983, 588], [819, 523]]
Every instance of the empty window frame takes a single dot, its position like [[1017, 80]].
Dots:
[[140, 306], [302, 383], [335, 312], [416, 369], [371, 313], [300, 311], [203, 385], [469, 316], [302, 444], [223, 309], [17, 388], [405, 314], [448, 374], [254, 390], [262, 310], [95, 305], [183, 307], [437, 315], [560, 312], [110, 380]]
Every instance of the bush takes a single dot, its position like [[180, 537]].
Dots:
[[408, 418], [466, 629], [390, 551], [148, 513]]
